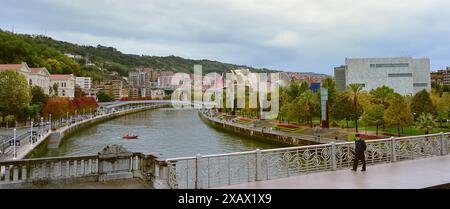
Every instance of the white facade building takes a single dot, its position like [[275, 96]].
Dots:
[[405, 75], [40, 77], [34, 76], [66, 84]]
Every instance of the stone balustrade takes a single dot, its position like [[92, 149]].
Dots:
[[112, 163]]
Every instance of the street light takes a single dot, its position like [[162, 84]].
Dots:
[[14, 145], [31, 133], [50, 120], [67, 119]]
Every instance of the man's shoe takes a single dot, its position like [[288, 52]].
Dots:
[[353, 170], [363, 170]]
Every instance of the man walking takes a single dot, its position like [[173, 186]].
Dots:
[[360, 148]]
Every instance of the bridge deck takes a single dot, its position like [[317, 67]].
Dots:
[[414, 174]]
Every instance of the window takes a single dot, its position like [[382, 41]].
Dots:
[[392, 65], [63, 93], [400, 75], [31, 82], [420, 84]]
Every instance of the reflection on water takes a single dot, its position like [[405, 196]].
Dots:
[[165, 133]]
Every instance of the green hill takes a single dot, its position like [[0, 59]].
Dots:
[[42, 51]]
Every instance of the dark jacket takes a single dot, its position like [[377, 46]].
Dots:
[[360, 146]]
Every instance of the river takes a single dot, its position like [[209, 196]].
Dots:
[[166, 133]]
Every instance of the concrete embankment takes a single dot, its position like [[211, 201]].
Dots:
[[258, 133]]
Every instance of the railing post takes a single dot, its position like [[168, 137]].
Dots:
[[393, 154], [333, 156], [258, 166], [198, 182], [444, 148]]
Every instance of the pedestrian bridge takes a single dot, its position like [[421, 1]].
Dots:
[[403, 162]]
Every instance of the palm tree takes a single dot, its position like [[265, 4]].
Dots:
[[355, 89], [425, 122]]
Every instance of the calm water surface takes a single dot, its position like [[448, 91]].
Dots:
[[164, 132]]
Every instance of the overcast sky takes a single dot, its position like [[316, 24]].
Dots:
[[290, 35]]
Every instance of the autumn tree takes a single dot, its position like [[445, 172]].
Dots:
[[398, 114]]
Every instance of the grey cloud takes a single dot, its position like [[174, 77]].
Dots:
[[288, 35]]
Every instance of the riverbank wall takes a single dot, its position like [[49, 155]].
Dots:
[[257, 133]]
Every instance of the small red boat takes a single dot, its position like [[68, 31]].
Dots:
[[128, 136]]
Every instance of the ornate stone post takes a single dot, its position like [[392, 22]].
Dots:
[[393, 154], [333, 156]]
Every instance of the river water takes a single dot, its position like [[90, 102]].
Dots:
[[166, 133]]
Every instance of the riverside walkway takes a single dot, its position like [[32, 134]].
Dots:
[[266, 128], [415, 174], [25, 146]]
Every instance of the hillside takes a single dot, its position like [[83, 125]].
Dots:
[[39, 50]]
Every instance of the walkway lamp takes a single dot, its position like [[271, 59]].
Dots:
[[50, 120], [41, 126], [14, 145], [67, 119], [31, 133]]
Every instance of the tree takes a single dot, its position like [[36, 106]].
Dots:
[[421, 103], [9, 119], [381, 95], [374, 115], [38, 96], [398, 114], [425, 122], [355, 89], [304, 108], [31, 111], [58, 107], [79, 92], [443, 107], [344, 108], [105, 97], [54, 89], [14, 92]]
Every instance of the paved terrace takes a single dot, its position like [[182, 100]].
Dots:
[[416, 174]]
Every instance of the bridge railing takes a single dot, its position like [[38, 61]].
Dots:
[[109, 165], [234, 168]]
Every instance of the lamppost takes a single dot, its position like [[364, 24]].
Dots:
[[50, 121], [41, 126], [14, 145], [31, 133], [67, 119]]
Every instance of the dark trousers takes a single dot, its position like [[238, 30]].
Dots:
[[359, 157]]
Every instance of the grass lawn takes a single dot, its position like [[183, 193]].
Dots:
[[409, 131]]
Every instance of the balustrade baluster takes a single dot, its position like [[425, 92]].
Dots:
[[15, 173], [24, 172], [7, 175]]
